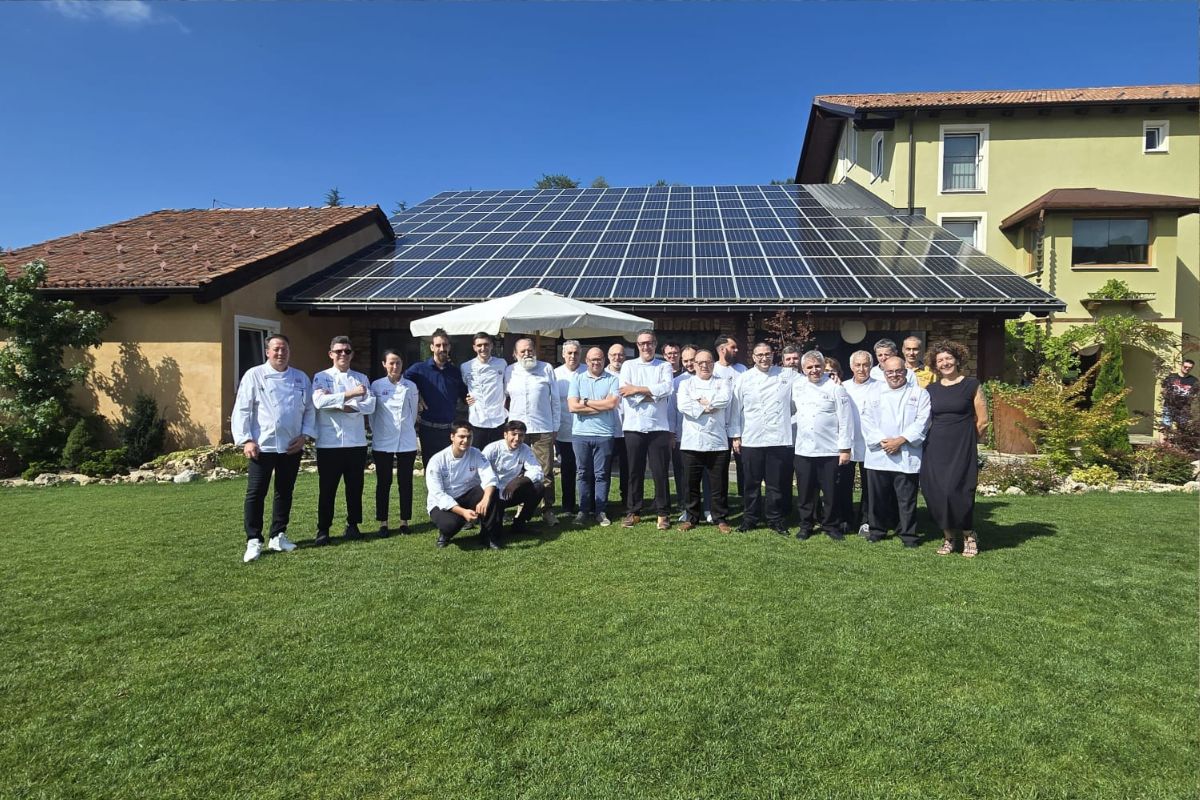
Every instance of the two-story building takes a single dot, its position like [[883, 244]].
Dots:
[[1067, 187]]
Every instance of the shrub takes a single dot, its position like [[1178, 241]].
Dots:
[[1184, 412], [36, 468], [83, 442], [233, 460], [1095, 475], [1036, 476], [143, 433], [106, 463], [1163, 463]]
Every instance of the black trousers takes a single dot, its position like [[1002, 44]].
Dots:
[[713, 464], [522, 492], [620, 457], [738, 471], [764, 465], [843, 491], [893, 504], [448, 523], [285, 468], [432, 440], [653, 447], [481, 437], [817, 474], [383, 482], [335, 464], [566, 464]]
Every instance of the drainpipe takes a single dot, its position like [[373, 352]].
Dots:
[[912, 166]]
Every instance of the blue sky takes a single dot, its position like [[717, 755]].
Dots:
[[116, 109]]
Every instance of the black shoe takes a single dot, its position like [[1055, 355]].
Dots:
[[443, 540], [384, 532], [517, 527], [781, 530], [404, 530], [494, 545], [746, 527], [874, 537], [802, 534], [351, 532], [322, 538], [837, 536], [913, 543]]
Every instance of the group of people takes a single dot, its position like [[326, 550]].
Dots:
[[797, 424]]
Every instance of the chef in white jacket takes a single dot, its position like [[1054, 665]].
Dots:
[[518, 473], [394, 441], [461, 488], [272, 417], [343, 401], [705, 408], [484, 378], [824, 438], [533, 398], [859, 388], [895, 421]]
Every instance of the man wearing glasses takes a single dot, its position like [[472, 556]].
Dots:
[[761, 429], [646, 385], [343, 400]]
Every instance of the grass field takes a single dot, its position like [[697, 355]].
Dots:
[[141, 658]]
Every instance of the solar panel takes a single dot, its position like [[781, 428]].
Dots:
[[828, 243]]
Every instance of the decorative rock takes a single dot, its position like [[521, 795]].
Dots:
[[1190, 486], [1120, 489], [987, 490], [187, 476], [82, 480], [1014, 490], [141, 476], [48, 479]]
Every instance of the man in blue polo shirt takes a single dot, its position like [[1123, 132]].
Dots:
[[440, 386]]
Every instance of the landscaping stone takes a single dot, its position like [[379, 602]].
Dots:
[[1190, 486], [48, 479], [1014, 490], [187, 476]]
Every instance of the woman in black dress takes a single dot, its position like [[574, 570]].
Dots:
[[950, 463]]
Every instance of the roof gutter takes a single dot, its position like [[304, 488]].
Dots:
[[957, 309]]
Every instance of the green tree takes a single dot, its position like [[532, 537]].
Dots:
[[36, 413], [333, 197], [598, 182], [784, 182], [400, 207], [557, 181]]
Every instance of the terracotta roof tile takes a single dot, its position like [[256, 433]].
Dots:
[[175, 249], [1009, 97]]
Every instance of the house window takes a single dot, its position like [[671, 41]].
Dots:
[[853, 154], [251, 343], [1108, 242], [968, 227], [877, 155], [1154, 136], [963, 164]]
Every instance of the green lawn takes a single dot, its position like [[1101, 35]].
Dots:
[[140, 658]]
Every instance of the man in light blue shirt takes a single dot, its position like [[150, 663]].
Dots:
[[592, 402]]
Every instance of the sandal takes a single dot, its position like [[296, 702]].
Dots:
[[947, 547], [970, 546]]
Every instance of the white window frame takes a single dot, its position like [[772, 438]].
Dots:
[[978, 217], [981, 162], [843, 166], [240, 323], [852, 150], [877, 156], [1164, 128]]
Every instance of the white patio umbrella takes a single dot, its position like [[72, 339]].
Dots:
[[533, 311]]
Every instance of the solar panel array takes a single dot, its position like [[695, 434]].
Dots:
[[668, 244]]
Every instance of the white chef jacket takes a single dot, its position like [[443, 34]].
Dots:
[[335, 427], [485, 384], [533, 397], [704, 431], [728, 373], [447, 477], [762, 407], [508, 464], [562, 379], [892, 412], [620, 434], [822, 415], [643, 414], [273, 408], [394, 421], [676, 416], [877, 373], [858, 395]]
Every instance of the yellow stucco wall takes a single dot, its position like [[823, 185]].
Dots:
[[183, 353]]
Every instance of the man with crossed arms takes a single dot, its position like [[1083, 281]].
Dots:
[[895, 420]]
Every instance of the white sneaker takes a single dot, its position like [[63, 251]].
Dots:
[[708, 517], [253, 550], [603, 519], [581, 518], [683, 517], [549, 518], [281, 543], [864, 529]]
